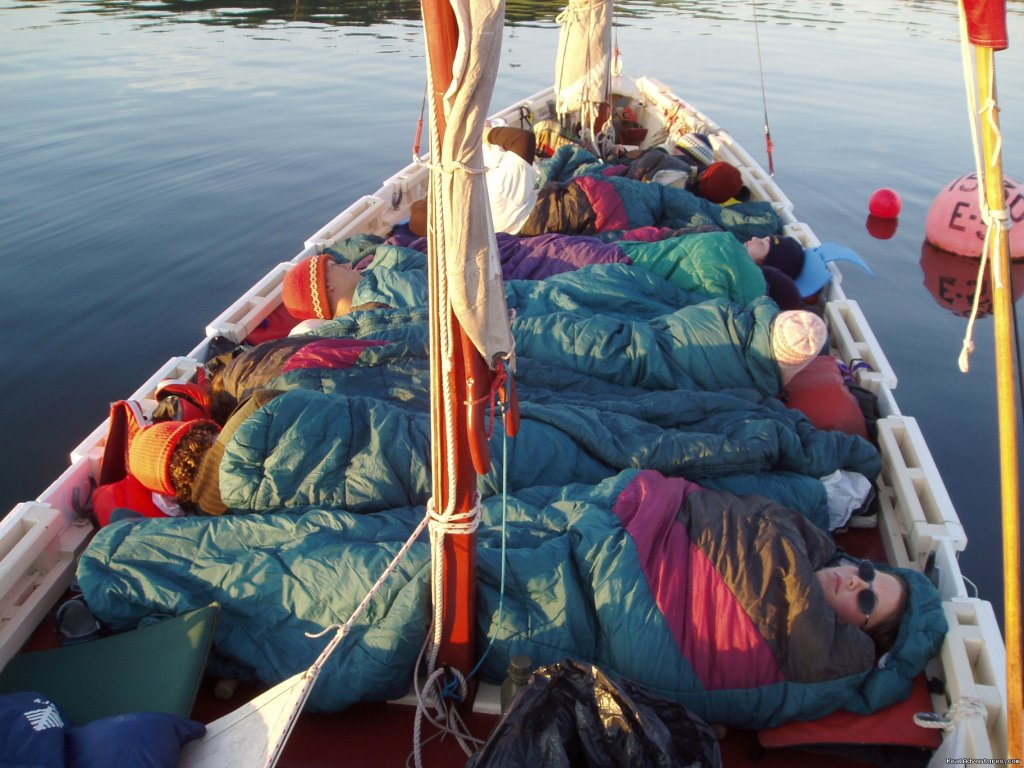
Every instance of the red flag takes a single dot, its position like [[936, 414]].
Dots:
[[986, 23]]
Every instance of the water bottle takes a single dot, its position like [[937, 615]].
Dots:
[[519, 670]]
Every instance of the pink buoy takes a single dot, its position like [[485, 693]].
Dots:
[[952, 280], [955, 224], [885, 203]]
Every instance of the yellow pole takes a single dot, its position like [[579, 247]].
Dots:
[[1002, 303]]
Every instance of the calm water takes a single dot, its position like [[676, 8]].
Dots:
[[156, 158]]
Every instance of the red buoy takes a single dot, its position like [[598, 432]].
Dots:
[[955, 222], [885, 203], [881, 229]]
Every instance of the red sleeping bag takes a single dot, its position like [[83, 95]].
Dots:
[[820, 393]]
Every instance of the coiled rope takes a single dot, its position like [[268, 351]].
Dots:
[[960, 711]]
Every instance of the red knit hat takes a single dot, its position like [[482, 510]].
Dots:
[[720, 182], [151, 449], [304, 291]]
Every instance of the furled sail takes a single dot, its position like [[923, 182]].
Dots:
[[471, 268], [583, 64]]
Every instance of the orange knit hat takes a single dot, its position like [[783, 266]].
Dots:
[[304, 291], [151, 449]]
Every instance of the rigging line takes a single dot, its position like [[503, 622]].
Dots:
[[419, 123], [1016, 343], [769, 144]]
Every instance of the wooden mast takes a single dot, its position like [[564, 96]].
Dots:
[[1002, 303], [466, 375]]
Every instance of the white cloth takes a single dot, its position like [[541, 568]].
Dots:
[[511, 188], [306, 326], [846, 491]]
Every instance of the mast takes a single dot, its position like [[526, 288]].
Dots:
[[470, 332], [1009, 455], [986, 23], [459, 562]]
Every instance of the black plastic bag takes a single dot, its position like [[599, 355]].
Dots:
[[572, 714]]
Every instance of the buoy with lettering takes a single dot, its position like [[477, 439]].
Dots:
[[955, 223], [885, 203], [952, 280]]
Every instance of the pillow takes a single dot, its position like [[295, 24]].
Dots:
[[31, 731], [820, 393], [140, 739]]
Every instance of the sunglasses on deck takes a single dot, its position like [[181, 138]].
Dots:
[[866, 598]]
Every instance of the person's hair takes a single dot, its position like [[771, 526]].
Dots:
[[187, 458], [884, 633], [222, 402]]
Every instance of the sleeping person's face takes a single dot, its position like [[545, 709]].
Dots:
[[758, 248], [341, 285], [843, 586]]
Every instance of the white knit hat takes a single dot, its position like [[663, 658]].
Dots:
[[797, 338]]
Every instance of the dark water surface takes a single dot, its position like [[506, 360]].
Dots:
[[157, 158]]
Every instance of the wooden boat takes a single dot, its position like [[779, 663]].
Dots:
[[917, 527]]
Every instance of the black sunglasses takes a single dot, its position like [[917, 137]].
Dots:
[[866, 598]]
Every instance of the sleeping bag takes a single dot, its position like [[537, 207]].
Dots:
[[702, 597]]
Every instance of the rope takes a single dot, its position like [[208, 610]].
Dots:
[[997, 223], [453, 522], [446, 718], [961, 711], [344, 629], [449, 168]]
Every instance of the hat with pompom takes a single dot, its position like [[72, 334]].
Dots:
[[695, 148], [151, 450], [304, 291], [797, 338]]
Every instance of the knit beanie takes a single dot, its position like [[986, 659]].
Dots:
[[418, 217], [786, 254], [150, 452], [695, 148], [781, 288], [720, 182], [304, 291], [797, 338]]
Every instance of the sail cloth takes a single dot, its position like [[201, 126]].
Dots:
[[986, 23], [465, 239], [583, 64]]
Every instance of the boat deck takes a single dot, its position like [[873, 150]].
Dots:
[[917, 527]]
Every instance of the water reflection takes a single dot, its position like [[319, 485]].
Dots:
[[952, 281], [366, 13]]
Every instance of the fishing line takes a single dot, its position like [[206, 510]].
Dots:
[[769, 144]]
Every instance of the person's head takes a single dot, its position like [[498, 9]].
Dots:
[[165, 456], [319, 287], [521, 141], [781, 289], [780, 252], [720, 182], [798, 336], [695, 149], [868, 598]]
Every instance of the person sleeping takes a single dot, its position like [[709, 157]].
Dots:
[[644, 329], [734, 606]]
